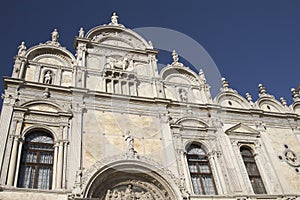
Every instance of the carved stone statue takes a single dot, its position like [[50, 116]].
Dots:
[[202, 76], [150, 44], [122, 63], [175, 57], [55, 36], [130, 143], [114, 19], [81, 33], [48, 77], [128, 195], [108, 195], [22, 49], [183, 95]]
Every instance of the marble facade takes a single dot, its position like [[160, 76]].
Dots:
[[121, 128]]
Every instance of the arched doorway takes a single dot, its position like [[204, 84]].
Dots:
[[132, 179]]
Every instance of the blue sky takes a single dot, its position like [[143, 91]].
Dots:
[[251, 42]]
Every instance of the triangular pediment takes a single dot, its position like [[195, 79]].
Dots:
[[241, 129]]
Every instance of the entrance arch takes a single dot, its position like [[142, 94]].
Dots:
[[138, 179]]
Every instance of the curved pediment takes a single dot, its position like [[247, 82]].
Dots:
[[191, 122], [270, 104], [117, 36], [180, 75], [51, 55], [41, 105], [230, 98]]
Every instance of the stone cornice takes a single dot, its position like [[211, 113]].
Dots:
[[167, 102]]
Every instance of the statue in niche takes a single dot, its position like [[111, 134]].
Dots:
[[183, 95], [22, 49], [48, 77], [55, 36]]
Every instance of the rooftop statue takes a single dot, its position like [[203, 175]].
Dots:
[[81, 33], [55, 36], [114, 20], [22, 49]]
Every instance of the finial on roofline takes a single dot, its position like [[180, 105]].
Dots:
[[295, 94], [262, 90], [225, 83], [283, 101]]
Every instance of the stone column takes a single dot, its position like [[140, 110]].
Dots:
[[21, 141], [83, 76], [13, 160], [65, 144], [54, 166], [112, 86], [74, 78], [37, 76], [128, 88], [219, 172], [59, 76], [22, 69], [5, 125], [59, 165]]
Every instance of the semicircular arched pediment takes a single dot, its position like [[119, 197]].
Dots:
[[270, 104], [231, 99], [191, 122], [117, 36], [179, 75], [42, 105], [51, 55], [124, 177]]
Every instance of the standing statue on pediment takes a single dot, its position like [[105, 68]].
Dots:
[[114, 19], [55, 36], [81, 33], [22, 49], [175, 57], [202, 76]]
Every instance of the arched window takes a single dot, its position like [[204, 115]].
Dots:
[[200, 171], [252, 170], [37, 161]]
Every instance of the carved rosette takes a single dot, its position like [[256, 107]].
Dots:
[[290, 157]]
